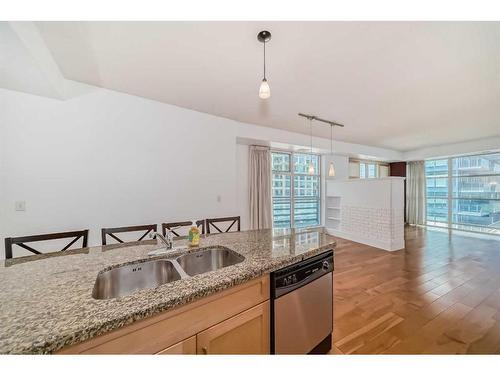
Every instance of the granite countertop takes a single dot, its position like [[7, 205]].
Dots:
[[46, 301]]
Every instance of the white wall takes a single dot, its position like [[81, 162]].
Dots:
[[110, 159], [242, 192]]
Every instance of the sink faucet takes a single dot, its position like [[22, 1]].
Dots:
[[168, 239]]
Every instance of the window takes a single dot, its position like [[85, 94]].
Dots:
[[367, 169], [464, 192], [295, 194], [362, 170], [371, 170]]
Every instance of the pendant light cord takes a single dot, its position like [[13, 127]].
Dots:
[[331, 139], [311, 126], [264, 60]]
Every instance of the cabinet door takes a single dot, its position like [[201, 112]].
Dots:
[[187, 346], [245, 333]]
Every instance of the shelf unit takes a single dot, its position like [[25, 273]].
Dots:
[[333, 212]]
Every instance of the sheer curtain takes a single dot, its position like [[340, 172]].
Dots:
[[415, 192], [260, 187]]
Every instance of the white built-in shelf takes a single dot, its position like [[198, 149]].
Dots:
[[333, 216], [334, 226], [333, 201]]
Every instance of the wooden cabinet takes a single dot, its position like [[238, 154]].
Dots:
[[233, 320], [187, 346], [245, 333]]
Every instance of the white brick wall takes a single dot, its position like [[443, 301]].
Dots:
[[381, 225]]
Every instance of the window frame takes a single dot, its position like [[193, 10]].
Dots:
[[291, 173], [453, 198]]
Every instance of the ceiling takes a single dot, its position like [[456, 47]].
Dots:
[[399, 85], [18, 69]]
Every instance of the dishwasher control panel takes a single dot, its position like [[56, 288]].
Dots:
[[291, 277]]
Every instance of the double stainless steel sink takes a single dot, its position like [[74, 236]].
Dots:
[[126, 279]]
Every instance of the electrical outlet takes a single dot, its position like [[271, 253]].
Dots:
[[20, 206]]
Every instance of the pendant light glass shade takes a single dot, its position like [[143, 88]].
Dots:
[[264, 90], [331, 170]]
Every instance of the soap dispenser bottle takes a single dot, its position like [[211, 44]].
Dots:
[[194, 235]]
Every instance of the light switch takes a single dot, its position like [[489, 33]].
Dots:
[[219, 198], [20, 206]]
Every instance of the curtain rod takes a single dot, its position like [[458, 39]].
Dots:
[[312, 117]]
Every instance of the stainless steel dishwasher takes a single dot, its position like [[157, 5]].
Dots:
[[302, 306]]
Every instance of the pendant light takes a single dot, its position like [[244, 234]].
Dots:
[[310, 169], [331, 169], [264, 90]]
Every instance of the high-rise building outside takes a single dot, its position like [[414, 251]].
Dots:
[[464, 192]]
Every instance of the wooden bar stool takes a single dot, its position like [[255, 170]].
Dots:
[[21, 241], [232, 219], [111, 231], [169, 226]]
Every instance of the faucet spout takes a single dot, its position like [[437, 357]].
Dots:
[[168, 241]]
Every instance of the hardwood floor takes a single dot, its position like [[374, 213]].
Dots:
[[439, 295]]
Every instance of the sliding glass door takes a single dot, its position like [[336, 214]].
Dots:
[[464, 192]]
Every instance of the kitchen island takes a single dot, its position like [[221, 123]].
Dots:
[[47, 304]]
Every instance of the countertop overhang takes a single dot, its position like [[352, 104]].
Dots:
[[46, 301]]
